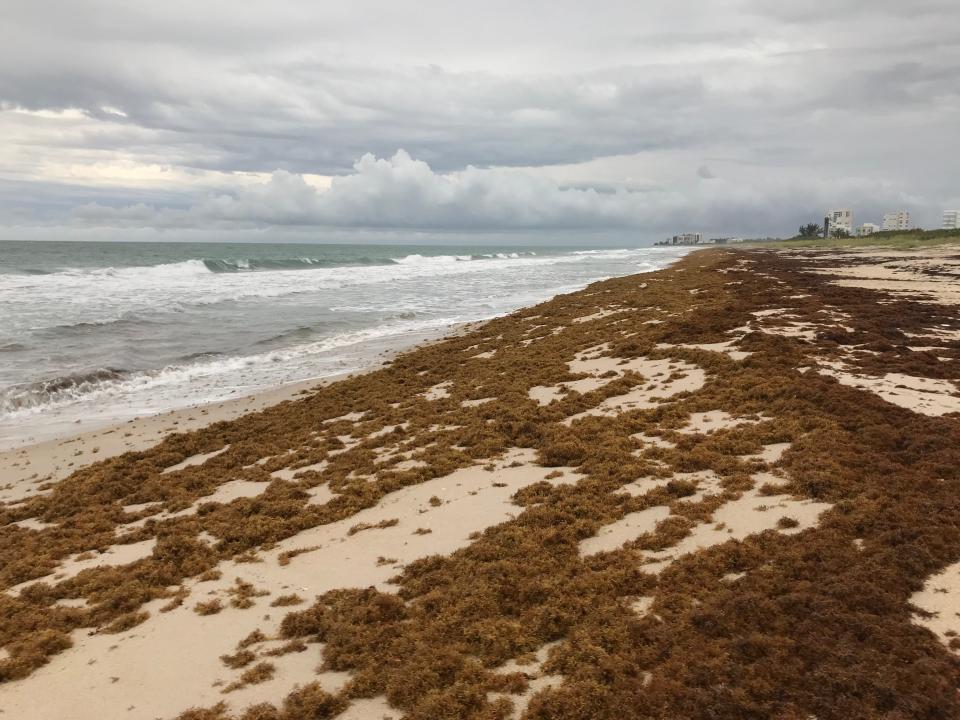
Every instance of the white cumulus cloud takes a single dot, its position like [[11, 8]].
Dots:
[[405, 193]]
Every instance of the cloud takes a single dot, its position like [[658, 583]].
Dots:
[[97, 94], [404, 193], [705, 173], [399, 192]]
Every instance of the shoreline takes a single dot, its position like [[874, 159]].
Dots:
[[27, 466], [74, 364], [681, 489], [379, 352]]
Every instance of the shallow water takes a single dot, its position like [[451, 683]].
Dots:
[[108, 331]]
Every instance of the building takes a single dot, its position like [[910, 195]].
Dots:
[[868, 229], [899, 220], [839, 220], [686, 239], [951, 219]]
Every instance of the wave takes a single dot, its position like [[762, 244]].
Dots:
[[234, 265], [56, 390], [205, 266], [303, 331], [99, 299]]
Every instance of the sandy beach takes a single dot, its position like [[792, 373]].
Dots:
[[730, 488], [26, 465]]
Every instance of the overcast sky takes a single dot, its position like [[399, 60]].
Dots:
[[522, 120]]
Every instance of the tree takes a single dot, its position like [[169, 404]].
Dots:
[[839, 233], [810, 230]]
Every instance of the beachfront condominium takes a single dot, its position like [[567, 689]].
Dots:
[[686, 239], [899, 220], [868, 229], [951, 219], [840, 220]]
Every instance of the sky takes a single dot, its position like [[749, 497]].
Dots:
[[520, 121]]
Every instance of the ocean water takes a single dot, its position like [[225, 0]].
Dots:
[[102, 332]]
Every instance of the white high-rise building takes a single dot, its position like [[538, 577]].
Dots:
[[868, 229], [840, 220], [686, 239], [951, 219], [899, 220]]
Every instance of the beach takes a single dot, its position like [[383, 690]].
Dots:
[[725, 488], [94, 334]]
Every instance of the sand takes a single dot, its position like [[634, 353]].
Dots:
[[929, 396], [25, 467], [609, 467], [181, 648], [940, 599]]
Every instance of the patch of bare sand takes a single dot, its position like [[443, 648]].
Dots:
[[198, 459], [641, 486], [940, 598], [664, 379], [600, 314], [477, 402], [629, 527], [708, 422], [653, 441], [180, 649], [537, 679], [115, 555], [751, 513], [770, 453], [945, 293], [728, 348], [33, 524], [440, 391], [602, 371], [929, 273], [290, 473], [369, 709], [223, 494], [927, 396]]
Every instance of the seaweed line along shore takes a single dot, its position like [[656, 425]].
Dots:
[[729, 488]]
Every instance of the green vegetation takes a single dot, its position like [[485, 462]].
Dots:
[[897, 239]]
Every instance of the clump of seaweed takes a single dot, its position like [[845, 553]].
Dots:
[[287, 600], [208, 607], [242, 594], [259, 673], [360, 527]]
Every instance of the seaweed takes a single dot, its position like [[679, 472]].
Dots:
[[811, 627]]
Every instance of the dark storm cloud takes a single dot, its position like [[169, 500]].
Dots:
[[328, 116], [774, 96]]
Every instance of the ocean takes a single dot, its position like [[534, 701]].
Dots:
[[95, 333]]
